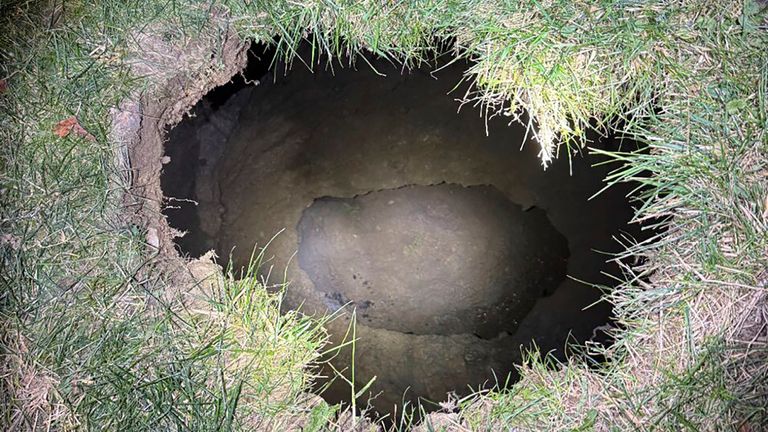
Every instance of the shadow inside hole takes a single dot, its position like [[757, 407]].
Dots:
[[365, 177]]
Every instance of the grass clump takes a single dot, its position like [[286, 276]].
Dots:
[[95, 332], [257, 355]]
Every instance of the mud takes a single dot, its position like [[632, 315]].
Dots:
[[450, 245]]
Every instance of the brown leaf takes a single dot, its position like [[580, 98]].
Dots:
[[3, 86], [66, 126]]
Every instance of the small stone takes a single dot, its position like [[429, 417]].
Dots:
[[152, 238]]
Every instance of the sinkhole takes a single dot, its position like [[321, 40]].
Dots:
[[379, 197]]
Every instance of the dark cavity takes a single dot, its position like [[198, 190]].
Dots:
[[453, 249]]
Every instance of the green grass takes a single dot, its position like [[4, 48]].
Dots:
[[92, 340]]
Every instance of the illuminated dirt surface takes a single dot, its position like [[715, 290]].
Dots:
[[438, 260]]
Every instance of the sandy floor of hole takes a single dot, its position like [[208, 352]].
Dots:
[[309, 136]]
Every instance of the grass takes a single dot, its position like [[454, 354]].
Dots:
[[92, 339]]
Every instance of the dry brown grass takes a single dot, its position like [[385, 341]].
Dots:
[[30, 398]]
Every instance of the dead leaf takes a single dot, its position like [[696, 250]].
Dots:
[[3, 86], [63, 127], [69, 125]]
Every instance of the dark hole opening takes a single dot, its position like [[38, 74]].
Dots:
[[454, 248]]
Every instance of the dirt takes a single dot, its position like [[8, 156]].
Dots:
[[179, 74], [440, 259]]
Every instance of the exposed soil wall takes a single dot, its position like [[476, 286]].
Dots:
[[179, 77]]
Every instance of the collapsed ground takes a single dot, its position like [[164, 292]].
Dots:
[[95, 334], [374, 190]]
